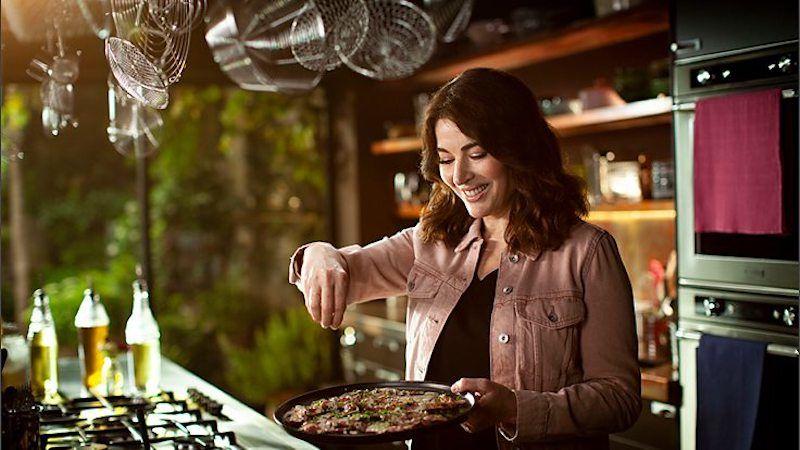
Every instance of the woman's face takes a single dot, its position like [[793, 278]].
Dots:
[[477, 178]]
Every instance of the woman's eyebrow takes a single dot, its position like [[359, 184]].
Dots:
[[469, 146], [463, 149]]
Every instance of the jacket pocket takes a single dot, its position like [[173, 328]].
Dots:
[[549, 330], [551, 312], [422, 287], [422, 284]]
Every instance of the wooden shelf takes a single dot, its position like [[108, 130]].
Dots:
[[644, 205], [631, 115], [616, 29], [646, 209], [397, 145]]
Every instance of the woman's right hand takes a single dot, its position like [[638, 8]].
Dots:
[[324, 282]]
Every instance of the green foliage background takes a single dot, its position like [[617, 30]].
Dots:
[[238, 183]]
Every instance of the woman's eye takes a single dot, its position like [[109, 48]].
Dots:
[[446, 161], [477, 155]]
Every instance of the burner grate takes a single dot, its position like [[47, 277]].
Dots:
[[158, 422]]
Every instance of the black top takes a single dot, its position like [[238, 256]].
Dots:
[[462, 351]]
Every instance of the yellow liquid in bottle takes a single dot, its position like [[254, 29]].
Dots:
[[44, 366], [90, 351], [146, 366]]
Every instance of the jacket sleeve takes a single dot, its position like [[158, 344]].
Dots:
[[377, 270], [608, 399]]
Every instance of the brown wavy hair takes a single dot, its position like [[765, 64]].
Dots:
[[501, 114]]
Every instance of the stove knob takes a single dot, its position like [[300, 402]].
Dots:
[[713, 307], [789, 316], [703, 76], [785, 63]]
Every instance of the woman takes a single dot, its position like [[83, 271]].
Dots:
[[511, 295]]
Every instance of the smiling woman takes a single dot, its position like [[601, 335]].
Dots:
[[512, 296], [491, 113], [478, 178]]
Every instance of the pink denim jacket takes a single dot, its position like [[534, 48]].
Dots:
[[563, 334]]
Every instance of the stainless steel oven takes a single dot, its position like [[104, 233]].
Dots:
[[734, 285], [755, 262], [771, 319]]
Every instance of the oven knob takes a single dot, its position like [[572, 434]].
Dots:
[[789, 316], [785, 64], [703, 76], [712, 307]]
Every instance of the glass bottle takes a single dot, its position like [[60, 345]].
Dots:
[[92, 324], [112, 373], [43, 345], [144, 339]]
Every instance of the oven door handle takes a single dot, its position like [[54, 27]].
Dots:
[[689, 106], [774, 349]]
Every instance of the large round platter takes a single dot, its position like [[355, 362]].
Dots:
[[367, 438]]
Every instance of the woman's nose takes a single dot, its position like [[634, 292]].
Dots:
[[461, 173]]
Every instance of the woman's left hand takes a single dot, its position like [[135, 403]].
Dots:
[[494, 403]]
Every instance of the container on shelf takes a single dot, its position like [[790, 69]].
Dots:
[[621, 182], [663, 173]]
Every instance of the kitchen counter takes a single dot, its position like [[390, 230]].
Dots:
[[253, 430]]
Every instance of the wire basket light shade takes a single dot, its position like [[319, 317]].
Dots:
[[135, 73], [401, 38]]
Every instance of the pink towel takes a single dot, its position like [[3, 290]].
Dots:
[[737, 164]]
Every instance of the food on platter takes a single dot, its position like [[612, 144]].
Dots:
[[376, 411]]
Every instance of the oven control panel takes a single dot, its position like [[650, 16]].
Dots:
[[775, 66], [741, 310], [764, 67]]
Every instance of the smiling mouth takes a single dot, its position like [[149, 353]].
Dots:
[[473, 194]]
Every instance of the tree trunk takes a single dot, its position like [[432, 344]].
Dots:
[[244, 235], [20, 248]]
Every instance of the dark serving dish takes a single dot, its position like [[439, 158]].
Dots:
[[367, 438]]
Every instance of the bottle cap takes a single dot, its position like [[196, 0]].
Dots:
[[39, 297], [91, 313]]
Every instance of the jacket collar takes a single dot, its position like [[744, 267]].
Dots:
[[474, 232]]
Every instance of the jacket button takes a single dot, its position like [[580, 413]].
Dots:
[[411, 285], [514, 258], [507, 290], [553, 317], [503, 338]]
